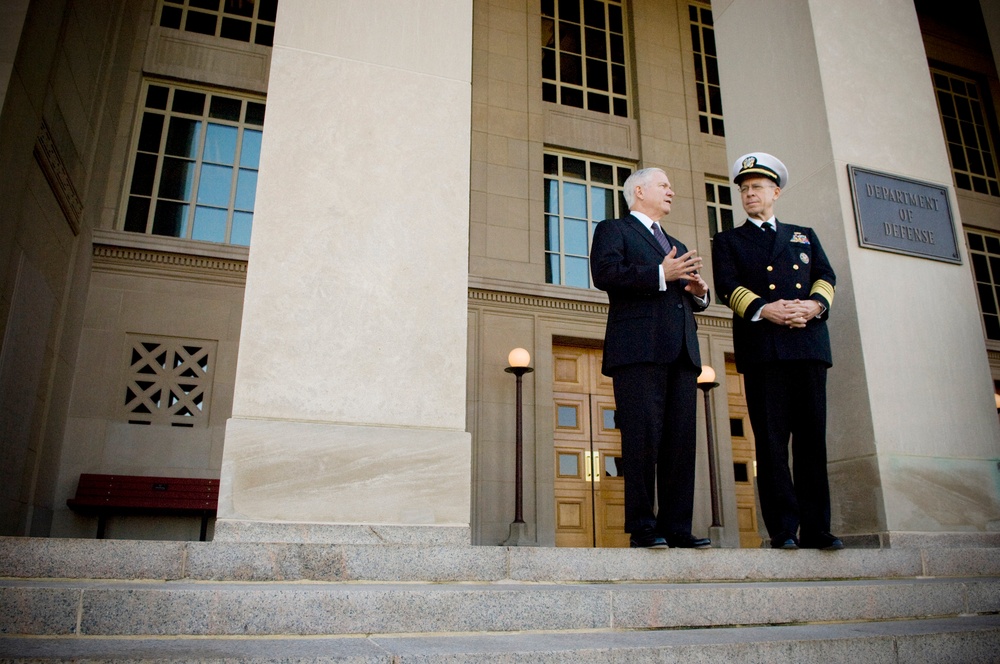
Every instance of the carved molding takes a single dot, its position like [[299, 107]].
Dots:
[[49, 159], [552, 303], [130, 260]]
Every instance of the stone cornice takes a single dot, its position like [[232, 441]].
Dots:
[[202, 269]]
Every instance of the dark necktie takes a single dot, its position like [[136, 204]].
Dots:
[[769, 233], [661, 238]]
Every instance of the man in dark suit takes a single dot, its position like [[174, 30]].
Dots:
[[651, 354], [778, 282]]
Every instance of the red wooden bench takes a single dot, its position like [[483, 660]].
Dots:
[[105, 495]]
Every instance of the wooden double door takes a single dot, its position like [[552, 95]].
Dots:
[[589, 490]]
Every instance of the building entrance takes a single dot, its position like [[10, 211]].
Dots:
[[589, 490]]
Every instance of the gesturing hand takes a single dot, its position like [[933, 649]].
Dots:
[[680, 267]]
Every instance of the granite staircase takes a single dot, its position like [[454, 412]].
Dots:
[[122, 600]]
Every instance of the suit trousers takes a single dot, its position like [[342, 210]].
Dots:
[[787, 399], [655, 411]]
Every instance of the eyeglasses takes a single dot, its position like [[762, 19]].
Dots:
[[755, 188]]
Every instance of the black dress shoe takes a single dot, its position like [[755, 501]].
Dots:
[[647, 539], [784, 541], [687, 541], [823, 542]]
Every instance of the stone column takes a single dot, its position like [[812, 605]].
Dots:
[[349, 411], [913, 438]]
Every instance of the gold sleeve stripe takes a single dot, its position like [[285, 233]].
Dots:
[[824, 288], [741, 299]]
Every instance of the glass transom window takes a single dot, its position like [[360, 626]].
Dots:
[[984, 252], [194, 173], [250, 21], [579, 193], [706, 71], [583, 55], [970, 147]]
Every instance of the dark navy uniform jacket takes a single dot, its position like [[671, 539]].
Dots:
[[749, 273], [645, 324]]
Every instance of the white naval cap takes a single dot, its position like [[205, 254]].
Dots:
[[761, 164]]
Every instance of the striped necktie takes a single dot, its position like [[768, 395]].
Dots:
[[661, 238]]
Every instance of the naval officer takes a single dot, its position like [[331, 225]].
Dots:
[[780, 286]]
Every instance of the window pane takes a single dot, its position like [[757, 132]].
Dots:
[[176, 179], [602, 204], [235, 29], [225, 108], [242, 225], [575, 200], [552, 233], [188, 101], [609, 419], [553, 275], [143, 174], [250, 150], [182, 137], [268, 10], [552, 195], [152, 130], [569, 465], [209, 224], [156, 97], [170, 219], [566, 417], [577, 272], [255, 114], [246, 189], [575, 168], [215, 186], [220, 144], [200, 23], [137, 214], [575, 233]]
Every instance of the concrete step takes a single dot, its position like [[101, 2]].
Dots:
[[183, 608], [228, 561], [122, 600], [968, 640]]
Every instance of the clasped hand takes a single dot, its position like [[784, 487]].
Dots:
[[685, 267], [791, 313]]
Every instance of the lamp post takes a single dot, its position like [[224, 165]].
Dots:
[[706, 383], [518, 359]]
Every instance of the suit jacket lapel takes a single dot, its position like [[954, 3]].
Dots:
[[754, 233], [641, 229]]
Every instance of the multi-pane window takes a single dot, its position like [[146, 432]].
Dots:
[[579, 193], [583, 55], [719, 199], [169, 381], [194, 174], [973, 158], [250, 21], [984, 251], [706, 71]]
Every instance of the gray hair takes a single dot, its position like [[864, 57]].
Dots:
[[637, 179]]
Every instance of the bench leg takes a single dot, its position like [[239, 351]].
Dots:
[[102, 522]]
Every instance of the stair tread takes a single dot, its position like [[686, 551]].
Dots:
[[884, 641]]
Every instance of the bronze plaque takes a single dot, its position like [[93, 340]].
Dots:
[[903, 216]]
